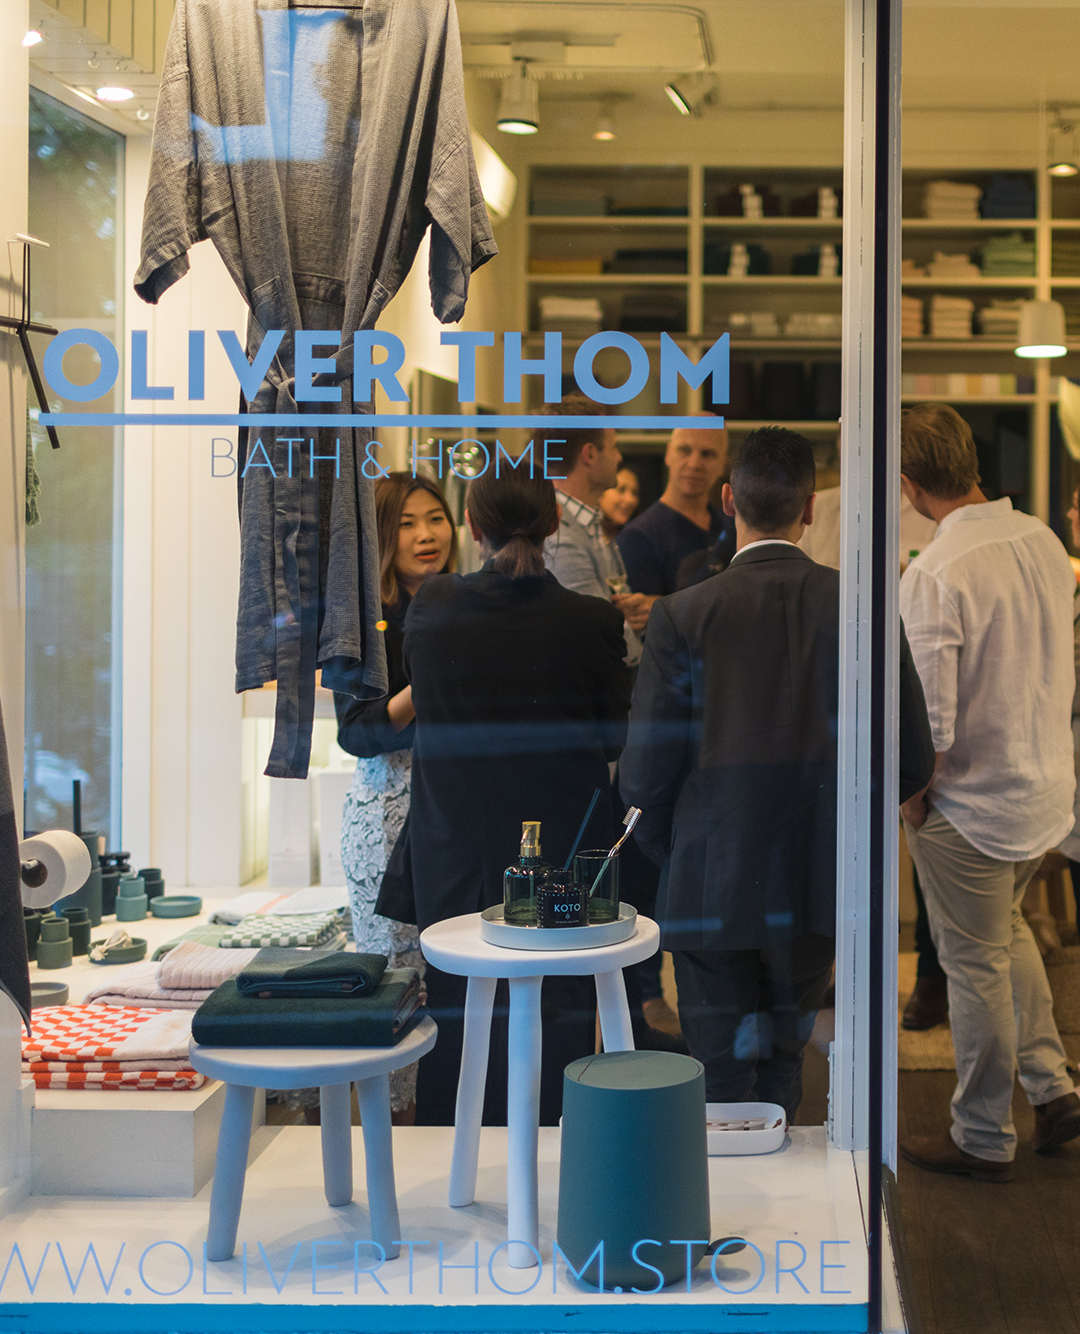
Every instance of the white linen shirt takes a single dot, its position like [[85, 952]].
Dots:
[[988, 612]]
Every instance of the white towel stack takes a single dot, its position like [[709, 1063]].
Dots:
[[953, 266], [573, 316], [911, 317], [951, 201], [950, 316]]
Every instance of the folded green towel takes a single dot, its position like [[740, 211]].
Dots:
[[228, 1019], [203, 934], [289, 972]]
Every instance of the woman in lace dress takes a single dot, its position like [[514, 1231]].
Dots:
[[416, 539]]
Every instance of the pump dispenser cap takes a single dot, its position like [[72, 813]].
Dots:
[[530, 838]]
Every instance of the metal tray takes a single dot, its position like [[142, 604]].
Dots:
[[496, 931]]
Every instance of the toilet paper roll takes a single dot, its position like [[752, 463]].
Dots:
[[53, 864]]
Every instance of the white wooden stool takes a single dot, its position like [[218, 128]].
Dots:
[[334, 1070], [456, 946]]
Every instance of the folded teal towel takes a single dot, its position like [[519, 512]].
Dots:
[[295, 972], [228, 1019]]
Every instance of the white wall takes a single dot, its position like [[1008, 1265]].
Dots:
[[181, 718]]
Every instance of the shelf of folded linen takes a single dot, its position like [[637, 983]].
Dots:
[[101, 1048], [954, 386], [951, 201], [574, 317], [296, 998], [1065, 257], [911, 317], [1071, 305], [1008, 256], [1000, 319], [1008, 197], [950, 316], [954, 267]]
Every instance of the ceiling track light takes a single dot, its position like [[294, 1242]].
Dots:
[[605, 121], [1064, 148], [689, 93], [519, 104], [33, 37], [1042, 329]]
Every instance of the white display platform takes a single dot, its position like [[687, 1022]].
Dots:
[[132, 1142], [300, 1254], [135, 1143]]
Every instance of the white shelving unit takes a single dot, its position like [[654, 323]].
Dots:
[[707, 296]]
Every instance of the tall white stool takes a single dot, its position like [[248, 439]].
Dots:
[[456, 947], [334, 1070]]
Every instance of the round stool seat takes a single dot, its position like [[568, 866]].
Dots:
[[633, 1165], [304, 1067]]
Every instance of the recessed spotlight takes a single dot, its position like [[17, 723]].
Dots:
[[110, 93], [142, 114], [1063, 169], [32, 38]]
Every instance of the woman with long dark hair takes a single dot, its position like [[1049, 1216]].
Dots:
[[417, 539], [521, 698]]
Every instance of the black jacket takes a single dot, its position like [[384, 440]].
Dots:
[[364, 726], [732, 752], [521, 697]]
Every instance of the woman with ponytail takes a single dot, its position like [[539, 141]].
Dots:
[[521, 697]]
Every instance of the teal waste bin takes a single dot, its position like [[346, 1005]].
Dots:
[[633, 1171]]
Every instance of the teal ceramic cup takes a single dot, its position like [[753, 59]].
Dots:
[[131, 899]]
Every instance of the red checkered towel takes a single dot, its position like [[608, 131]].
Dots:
[[102, 1046]]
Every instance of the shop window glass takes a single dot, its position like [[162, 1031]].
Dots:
[[72, 574]]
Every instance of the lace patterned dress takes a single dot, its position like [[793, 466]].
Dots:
[[372, 817]]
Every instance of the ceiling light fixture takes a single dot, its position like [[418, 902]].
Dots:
[[1064, 151], [1042, 329], [605, 121], [690, 92], [32, 38], [519, 105], [111, 93]]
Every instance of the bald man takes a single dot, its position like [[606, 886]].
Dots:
[[682, 521]]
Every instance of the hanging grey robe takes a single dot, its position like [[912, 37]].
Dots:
[[314, 148]]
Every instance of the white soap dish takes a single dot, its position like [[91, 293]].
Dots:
[[735, 1128]]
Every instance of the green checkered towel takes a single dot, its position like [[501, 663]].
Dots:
[[258, 931]]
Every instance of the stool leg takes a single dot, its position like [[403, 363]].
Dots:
[[373, 1096], [479, 1003], [615, 1026], [230, 1168], [523, 1120], [336, 1118]]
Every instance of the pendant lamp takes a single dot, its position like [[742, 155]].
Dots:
[[1042, 329], [519, 105]]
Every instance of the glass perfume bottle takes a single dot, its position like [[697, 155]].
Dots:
[[520, 882]]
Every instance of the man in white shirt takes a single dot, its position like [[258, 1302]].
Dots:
[[988, 612]]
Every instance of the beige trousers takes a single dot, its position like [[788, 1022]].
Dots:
[[1000, 1005]]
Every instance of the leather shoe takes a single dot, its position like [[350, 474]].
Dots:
[[940, 1153], [1056, 1123], [928, 1006]]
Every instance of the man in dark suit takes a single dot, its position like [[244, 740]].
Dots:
[[732, 759]]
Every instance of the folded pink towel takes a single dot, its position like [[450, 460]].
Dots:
[[190, 965]]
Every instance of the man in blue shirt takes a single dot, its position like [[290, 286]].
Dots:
[[682, 521]]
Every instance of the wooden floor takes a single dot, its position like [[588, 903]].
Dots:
[[991, 1259]]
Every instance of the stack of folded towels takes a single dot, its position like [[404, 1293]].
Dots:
[[1008, 257], [180, 980], [99, 1047], [950, 316], [911, 317], [951, 201], [953, 266], [257, 931], [1000, 319], [304, 998]]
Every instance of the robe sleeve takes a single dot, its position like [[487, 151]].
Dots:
[[172, 221], [461, 238]]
